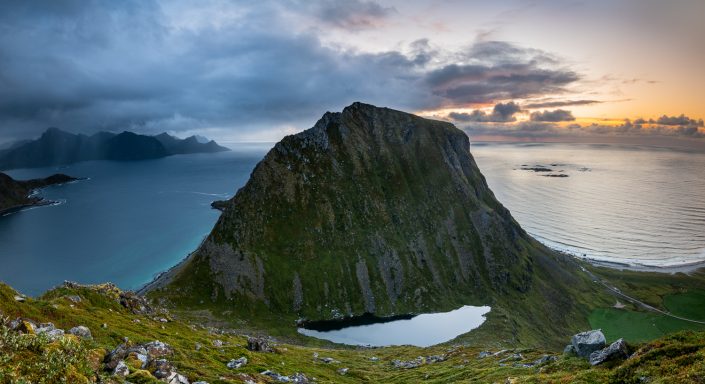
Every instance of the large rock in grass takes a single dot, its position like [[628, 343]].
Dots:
[[585, 343], [615, 351]]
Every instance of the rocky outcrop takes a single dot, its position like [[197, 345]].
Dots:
[[16, 195], [370, 211], [615, 351], [585, 343]]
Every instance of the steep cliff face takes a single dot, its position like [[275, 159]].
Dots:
[[371, 210]]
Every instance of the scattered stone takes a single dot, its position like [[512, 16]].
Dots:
[[74, 298], [23, 326], [616, 350], [484, 354], [81, 331], [408, 364], [343, 371], [198, 346], [135, 303], [104, 326], [299, 378], [200, 382], [512, 357], [569, 350], [163, 320], [175, 378], [545, 359], [237, 363], [121, 369], [329, 360], [140, 359], [217, 343], [20, 299], [588, 342], [49, 330], [162, 368], [258, 344], [374, 358], [158, 349], [277, 377]]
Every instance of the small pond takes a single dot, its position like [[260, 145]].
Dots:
[[421, 330]]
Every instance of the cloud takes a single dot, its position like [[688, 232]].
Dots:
[[552, 116], [353, 14], [238, 71], [501, 113], [679, 120], [636, 129], [498, 71], [560, 103]]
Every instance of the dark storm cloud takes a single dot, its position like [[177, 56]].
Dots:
[[352, 14], [499, 71], [501, 113], [552, 116], [89, 65], [560, 103]]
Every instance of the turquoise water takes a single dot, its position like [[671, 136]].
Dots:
[[129, 221]]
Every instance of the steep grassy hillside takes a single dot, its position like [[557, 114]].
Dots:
[[202, 353], [379, 211]]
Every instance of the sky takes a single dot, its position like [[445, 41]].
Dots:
[[249, 71]]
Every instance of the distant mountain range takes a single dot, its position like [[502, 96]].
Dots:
[[56, 147]]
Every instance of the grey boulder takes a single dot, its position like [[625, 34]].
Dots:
[[615, 351], [588, 342], [81, 331]]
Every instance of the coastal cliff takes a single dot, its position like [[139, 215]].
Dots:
[[15, 194], [376, 211]]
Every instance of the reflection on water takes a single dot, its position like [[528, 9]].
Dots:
[[633, 205], [422, 330]]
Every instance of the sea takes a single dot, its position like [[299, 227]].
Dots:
[[128, 221]]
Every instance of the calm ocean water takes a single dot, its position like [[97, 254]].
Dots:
[[133, 220], [130, 221], [626, 204]]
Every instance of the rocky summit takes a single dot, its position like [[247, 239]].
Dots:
[[375, 211]]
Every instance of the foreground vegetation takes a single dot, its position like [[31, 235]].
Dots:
[[201, 352]]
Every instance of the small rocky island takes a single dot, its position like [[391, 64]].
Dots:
[[17, 194]]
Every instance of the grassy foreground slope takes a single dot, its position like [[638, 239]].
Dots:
[[28, 358]]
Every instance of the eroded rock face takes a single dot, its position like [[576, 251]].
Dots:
[[371, 210], [588, 342]]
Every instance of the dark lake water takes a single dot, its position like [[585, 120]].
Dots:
[[129, 221], [423, 330]]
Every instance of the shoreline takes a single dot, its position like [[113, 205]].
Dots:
[[687, 268]]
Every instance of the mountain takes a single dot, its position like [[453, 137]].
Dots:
[[56, 147], [191, 144], [15, 195], [378, 211]]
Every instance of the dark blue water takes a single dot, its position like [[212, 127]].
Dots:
[[129, 221]]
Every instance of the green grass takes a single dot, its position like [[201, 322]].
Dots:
[[678, 358], [690, 304], [637, 326]]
